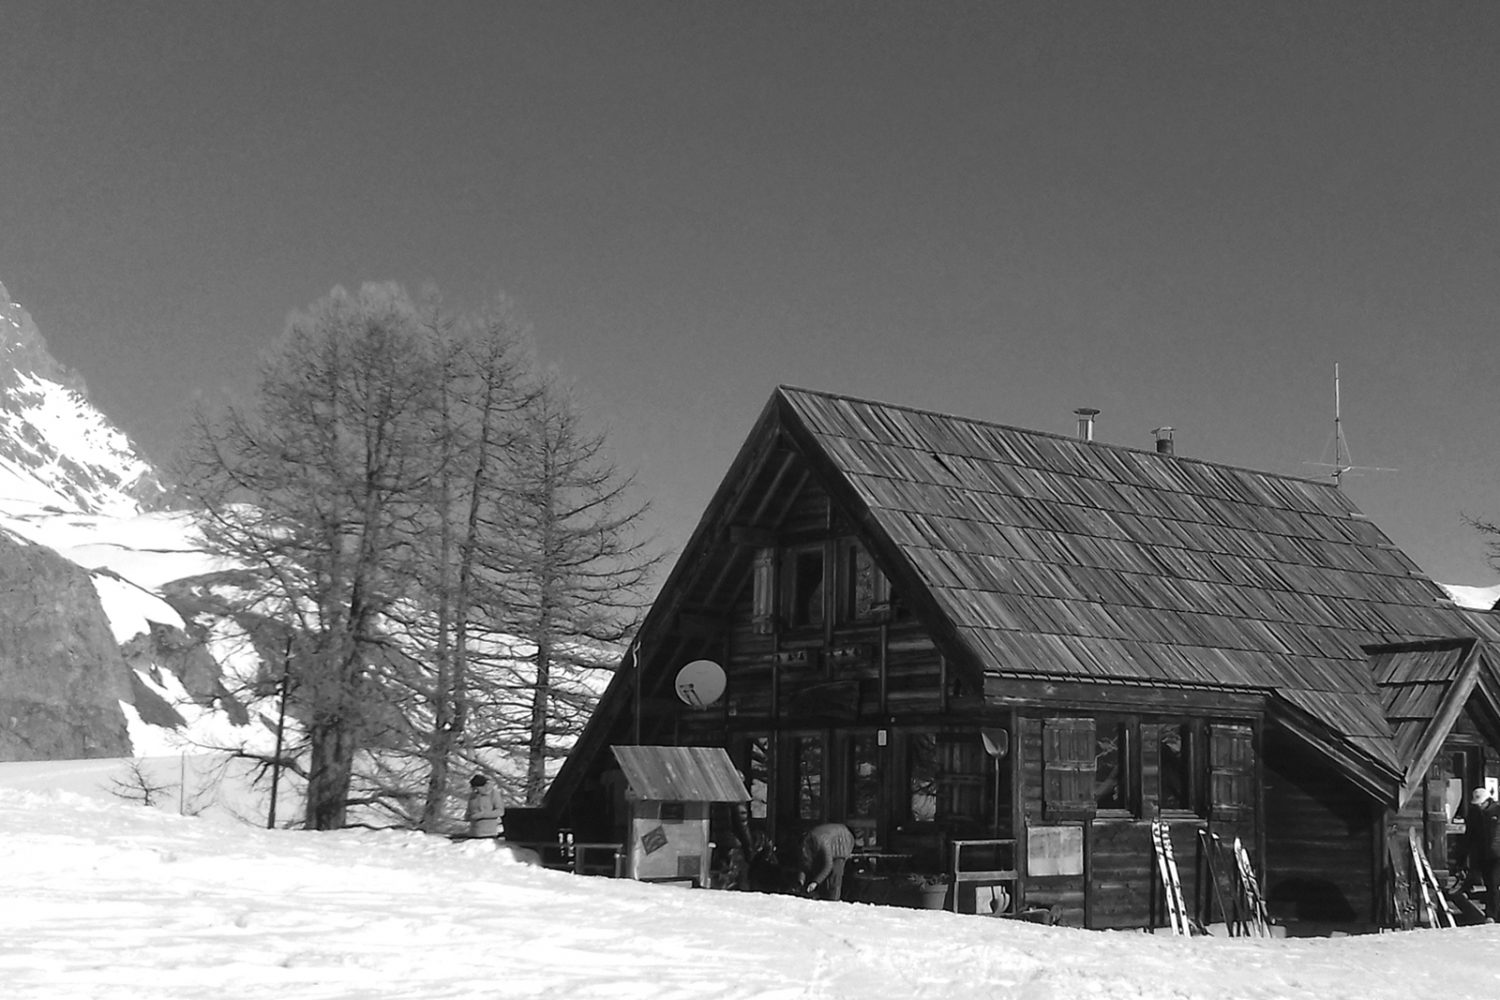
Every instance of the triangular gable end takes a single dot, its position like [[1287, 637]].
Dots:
[[779, 461], [1425, 687]]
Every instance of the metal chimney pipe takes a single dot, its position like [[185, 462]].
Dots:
[[1086, 415], [1164, 445]]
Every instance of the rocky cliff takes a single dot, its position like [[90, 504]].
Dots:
[[62, 677]]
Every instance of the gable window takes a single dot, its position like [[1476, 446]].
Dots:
[[864, 592], [763, 592], [802, 587]]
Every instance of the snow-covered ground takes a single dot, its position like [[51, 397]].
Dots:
[[104, 901]]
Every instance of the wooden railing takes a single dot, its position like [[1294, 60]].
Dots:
[[982, 877]]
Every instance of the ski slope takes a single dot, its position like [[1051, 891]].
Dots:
[[106, 900]]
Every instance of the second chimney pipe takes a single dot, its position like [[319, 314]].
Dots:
[[1086, 415]]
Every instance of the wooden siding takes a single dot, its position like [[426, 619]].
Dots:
[[1321, 860]]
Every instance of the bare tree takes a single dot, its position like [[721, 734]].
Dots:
[[572, 566], [479, 405], [317, 487], [139, 786], [446, 558]]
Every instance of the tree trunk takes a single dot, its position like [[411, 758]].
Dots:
[[536, 750], [329, 771]]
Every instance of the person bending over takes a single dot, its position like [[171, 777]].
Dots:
[[825, 849]]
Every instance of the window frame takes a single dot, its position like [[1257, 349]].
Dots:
[[1127, 730], [793, 596], [850, 552], [795, 773], [1194, 768]]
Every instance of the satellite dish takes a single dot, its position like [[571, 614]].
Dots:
[[700, 683]]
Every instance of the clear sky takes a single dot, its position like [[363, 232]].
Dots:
[[1178, 213]]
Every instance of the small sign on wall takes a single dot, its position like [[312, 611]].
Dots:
[[1054, 850]]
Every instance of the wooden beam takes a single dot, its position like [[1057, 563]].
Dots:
[[751, 536], [699, 624], [1018, 692]]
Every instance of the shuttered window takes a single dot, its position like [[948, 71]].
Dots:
[[763, 610], [1068, 760], [1231, 777]]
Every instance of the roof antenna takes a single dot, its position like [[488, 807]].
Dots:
[[1343, 459]]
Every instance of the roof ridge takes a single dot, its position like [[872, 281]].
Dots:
[[785, 389]]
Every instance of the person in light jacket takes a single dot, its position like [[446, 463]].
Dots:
[[825, 849], [482, 811]]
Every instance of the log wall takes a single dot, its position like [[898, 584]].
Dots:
[[1323, 859]]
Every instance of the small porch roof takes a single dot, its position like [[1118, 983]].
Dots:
[[681, 774]]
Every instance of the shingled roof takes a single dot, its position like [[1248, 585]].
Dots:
[[1030, 555], [1059, 558]]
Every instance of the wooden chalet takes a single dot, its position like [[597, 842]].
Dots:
[[938, 629]]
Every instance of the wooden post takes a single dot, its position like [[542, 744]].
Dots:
[[286, 672]]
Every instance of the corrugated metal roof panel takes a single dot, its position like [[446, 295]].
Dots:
[[681, 774]]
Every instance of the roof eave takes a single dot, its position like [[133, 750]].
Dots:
[[1376, 778]]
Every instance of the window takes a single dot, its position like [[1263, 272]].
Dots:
[[757, 770], [921, 776], [1116, 764], [1112, 766], [1175, 788], [948, 778], [865, 593], [802, 587], [1088, 765], [864, 789], [963, 781], [807, 762]]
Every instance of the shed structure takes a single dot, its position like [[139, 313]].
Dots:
[[937, 628], [669, 791]]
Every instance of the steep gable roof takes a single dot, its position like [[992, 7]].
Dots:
[[1060, 558], [1033, 555]]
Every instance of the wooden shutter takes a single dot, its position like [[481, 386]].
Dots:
[[763, 613], [1231, 775], [1068, 766]]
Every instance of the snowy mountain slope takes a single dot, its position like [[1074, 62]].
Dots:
[[73, 482], [108, 901], [57, 450]]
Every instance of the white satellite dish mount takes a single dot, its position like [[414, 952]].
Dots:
[[700, 683]]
